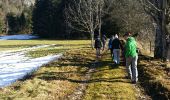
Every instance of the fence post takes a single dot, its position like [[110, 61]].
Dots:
[[150, 47]]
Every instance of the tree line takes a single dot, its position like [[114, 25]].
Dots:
[[80, 18], [84, 19]]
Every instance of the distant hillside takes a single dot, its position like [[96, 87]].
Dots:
[[15, 6], [11, 12]]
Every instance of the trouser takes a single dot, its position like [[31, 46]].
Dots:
[[131, 64], [111, 52], [116, 55], [103, 43], [97, 52]]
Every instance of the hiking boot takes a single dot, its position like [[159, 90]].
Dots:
[[134, 82]]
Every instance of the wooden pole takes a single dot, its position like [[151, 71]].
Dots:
[[150, 47]]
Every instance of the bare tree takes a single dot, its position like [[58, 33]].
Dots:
[[160, 12], [86, 15], [129, 14]]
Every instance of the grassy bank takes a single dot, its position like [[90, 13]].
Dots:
[[154, 77]]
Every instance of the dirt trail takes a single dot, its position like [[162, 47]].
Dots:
[[96, 75]]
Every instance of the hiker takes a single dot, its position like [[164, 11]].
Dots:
[[116, 46], [123, 52], [131, 57], [110, 45], [98, 46], [104, 39]]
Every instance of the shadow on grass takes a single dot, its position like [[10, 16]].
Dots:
[[144, 57], [147, 77], [49, 76], [83, 64], [69, 75]]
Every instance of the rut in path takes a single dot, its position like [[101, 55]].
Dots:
[[80, 90]]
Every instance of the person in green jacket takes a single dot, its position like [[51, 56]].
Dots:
[[131, 56]]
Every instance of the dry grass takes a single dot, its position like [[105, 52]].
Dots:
[[108, 82], [51, 82], [62, 77], [19, 44], [55, 80], [154, 77]]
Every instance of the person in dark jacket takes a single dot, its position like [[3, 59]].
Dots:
[[116, 46], [104, 39], [110, 45], [98, 46]]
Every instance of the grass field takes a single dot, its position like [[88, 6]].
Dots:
[[19, 44], [63, 77]]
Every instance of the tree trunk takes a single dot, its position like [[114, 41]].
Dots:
[[166, 43], [100, 21], [92, 39], [165, 33], [167, 48], [99, 30], [7, 27], [160, 31], [158, 43]]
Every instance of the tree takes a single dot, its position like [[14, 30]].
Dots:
[[86, 15], [47, 18], [22, 21], [160, 13]]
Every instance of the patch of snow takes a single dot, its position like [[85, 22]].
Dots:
[[15, 65], [18, 37]]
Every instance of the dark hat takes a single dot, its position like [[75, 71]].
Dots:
[[127, 34]]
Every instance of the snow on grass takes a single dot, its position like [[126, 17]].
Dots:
[[18, 37], [15, 65]]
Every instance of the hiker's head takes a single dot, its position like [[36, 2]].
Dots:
[[116, 36], [127, 34]]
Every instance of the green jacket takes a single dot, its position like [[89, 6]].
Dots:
[[130, 47]]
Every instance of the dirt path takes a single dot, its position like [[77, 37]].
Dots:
[[105, 81], [80, 90]]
